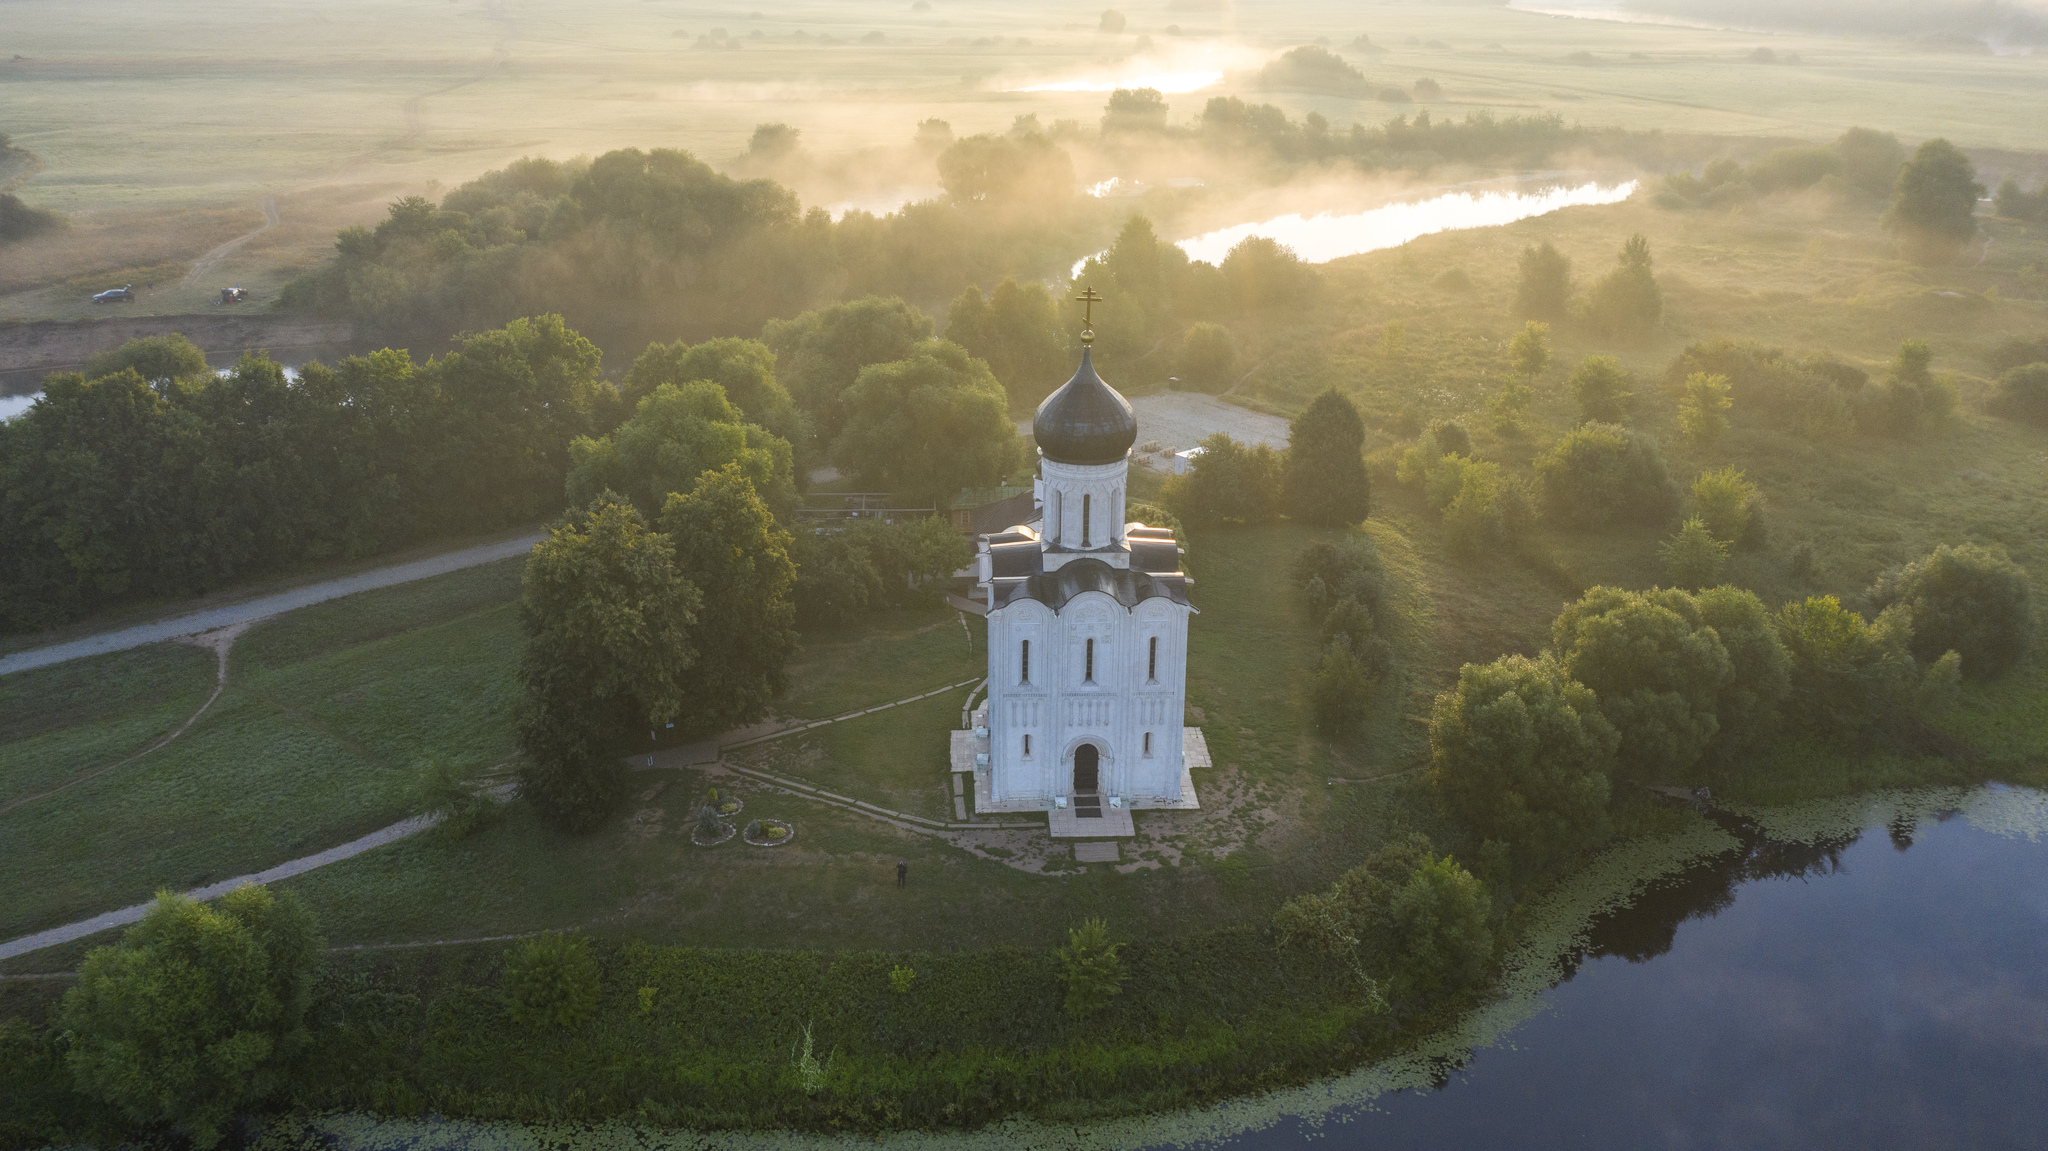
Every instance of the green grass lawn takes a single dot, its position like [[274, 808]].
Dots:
[[60, 722], [315, 742]]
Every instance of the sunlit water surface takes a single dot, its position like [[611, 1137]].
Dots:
[[1324, 237]]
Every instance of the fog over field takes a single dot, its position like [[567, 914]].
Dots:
[[161, 130]]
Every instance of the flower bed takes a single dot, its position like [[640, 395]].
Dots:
[[761, 833], [726, 831]]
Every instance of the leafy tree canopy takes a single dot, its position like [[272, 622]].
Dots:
[[1656, 668], [198, 1013], [928, 425], [1970, 599], [1325, 478]]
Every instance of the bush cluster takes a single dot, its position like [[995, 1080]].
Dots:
[[1406, 925], [1670, 686], [1344, 587]]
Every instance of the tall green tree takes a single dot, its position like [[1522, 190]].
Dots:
[[1692, 556], [1521, 752], [159, 360], [676, 435], [820, 353], [1966, 598], [610, 637], [744, 368], [1325, 478], [729, 547], [1656, 668], [532, 383], [1017, 331], [1543, 290], [1934, 202], [198, 1013], [928, 425]]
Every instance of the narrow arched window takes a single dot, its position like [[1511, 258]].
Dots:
[[1148, 743], [1024, 662], [1152, 662], [1088, 673], [1027, 746], [1084, 519]]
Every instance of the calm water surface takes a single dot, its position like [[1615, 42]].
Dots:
[[1889, 991]]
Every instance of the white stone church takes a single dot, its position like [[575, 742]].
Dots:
[[1087, 637]]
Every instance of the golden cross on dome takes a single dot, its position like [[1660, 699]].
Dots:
[[1088, 299]]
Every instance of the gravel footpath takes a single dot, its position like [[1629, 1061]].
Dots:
[[265, 606]]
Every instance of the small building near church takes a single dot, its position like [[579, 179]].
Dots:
[[1087, 636]]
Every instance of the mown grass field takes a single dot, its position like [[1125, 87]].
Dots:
[[315, 741]]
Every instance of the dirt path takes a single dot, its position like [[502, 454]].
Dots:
[[204, 265], [256, 609], [218, 641]]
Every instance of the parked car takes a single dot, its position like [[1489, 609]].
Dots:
[[125, 294], [234, 295]]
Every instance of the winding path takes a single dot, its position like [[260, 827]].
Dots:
[[264, 606], [205, 264]]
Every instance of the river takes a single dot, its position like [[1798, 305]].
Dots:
[[1883, 987], [1328, 236]]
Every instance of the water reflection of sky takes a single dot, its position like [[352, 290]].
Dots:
[[1324, 237], [12, 406], [1899, 1001]]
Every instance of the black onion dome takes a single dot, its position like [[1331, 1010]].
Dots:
[[1086, 421]]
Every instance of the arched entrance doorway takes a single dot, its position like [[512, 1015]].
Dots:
[[1087, 762]]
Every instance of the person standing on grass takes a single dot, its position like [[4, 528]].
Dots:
[[902, 873]]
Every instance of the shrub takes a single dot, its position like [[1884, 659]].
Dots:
[[1727, 503], [200, 1010], [1090, 968], [1911, 402], [1601, 389], [1597, 473], [1520, 752], [1934, 202], [1693, 557], [1441, 916], [1969, 599], [2023, 394], [1627, 301], [447, 790], [1154, 516], [1848, 676], [1701, 410], [899, 979], [1343, 586], [1813, 396], [1352, 922], [1228, 482], [1544, 290], [551, 981], [1656, 668]]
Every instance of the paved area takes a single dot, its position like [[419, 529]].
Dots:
[[265, 606], [1097, 853], [300, 866]]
